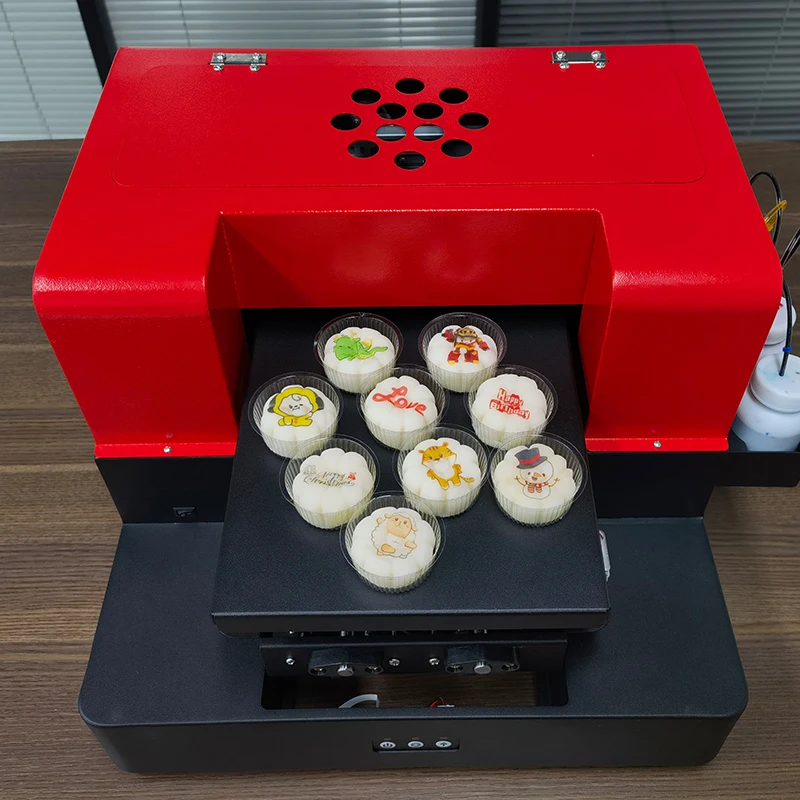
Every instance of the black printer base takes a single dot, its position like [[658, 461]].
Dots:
[[661, 684]]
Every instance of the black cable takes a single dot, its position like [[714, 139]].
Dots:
[[776, 230], [790, 250]]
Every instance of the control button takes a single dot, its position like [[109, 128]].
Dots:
[[387, 745], [482, 668], [444, 743], [416, 744]]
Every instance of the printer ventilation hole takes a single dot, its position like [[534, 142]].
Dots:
[[473, 122], [391, 111], [345, 122], [453, 96], [363, 148], [409, 86], [391, 133], [409, 160], [366, 96], [428, 111], [456, 148], [428, 133]]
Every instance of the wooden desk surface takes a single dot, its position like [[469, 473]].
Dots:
[[58, 531]]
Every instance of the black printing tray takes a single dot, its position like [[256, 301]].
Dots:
[[277, 573]]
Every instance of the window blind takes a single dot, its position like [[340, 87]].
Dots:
[[293, 23], [50, 85], [751, 47]]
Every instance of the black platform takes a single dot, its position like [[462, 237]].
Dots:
[[278, 573], [165, 691]]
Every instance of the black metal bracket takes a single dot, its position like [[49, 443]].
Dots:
[[98, 31]]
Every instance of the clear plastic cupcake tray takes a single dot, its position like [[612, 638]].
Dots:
[[328, 482], [391, 544], [443, 473]]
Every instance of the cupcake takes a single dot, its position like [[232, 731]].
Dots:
[[511, 407], [444, 473], [358, 350], [293, 410], [329, 487], [536, 484], [462, 350], [404, 408], [392, 547]]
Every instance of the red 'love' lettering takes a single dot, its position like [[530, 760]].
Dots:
[[399, 400]]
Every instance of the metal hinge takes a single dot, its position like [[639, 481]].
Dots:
[[254, 60], [566, 58]]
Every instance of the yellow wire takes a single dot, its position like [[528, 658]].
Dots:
[[771, 217]]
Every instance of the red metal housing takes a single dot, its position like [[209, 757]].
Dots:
[[199, 193]]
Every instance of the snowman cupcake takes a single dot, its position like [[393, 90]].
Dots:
[[511, 407], [358, 350], [391, 546], [294, 409], [404, 408], [444, 473], [536, 484], [461, 350], [328, 488]]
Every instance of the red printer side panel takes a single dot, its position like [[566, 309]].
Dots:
[[198, 193]]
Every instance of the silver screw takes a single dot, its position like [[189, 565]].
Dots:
[[564, 65], [344, 671], [560, 54], [218, 67], [482, 668], [255, 67], [656, 443], [394, 662], [167, 449], [596, 55], [290, 662], [434, 662], [600, 64]]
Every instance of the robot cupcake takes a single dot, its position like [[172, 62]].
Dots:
[[462, 350]]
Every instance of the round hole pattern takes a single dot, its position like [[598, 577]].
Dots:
[[409, 86], [346, 122], [386, 108], [428, 133], [428, 111], [366, 96], [409, 159], [391, 133], [363, 148], [456, 148], [391, 111], [453, 95], [473, 122]]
